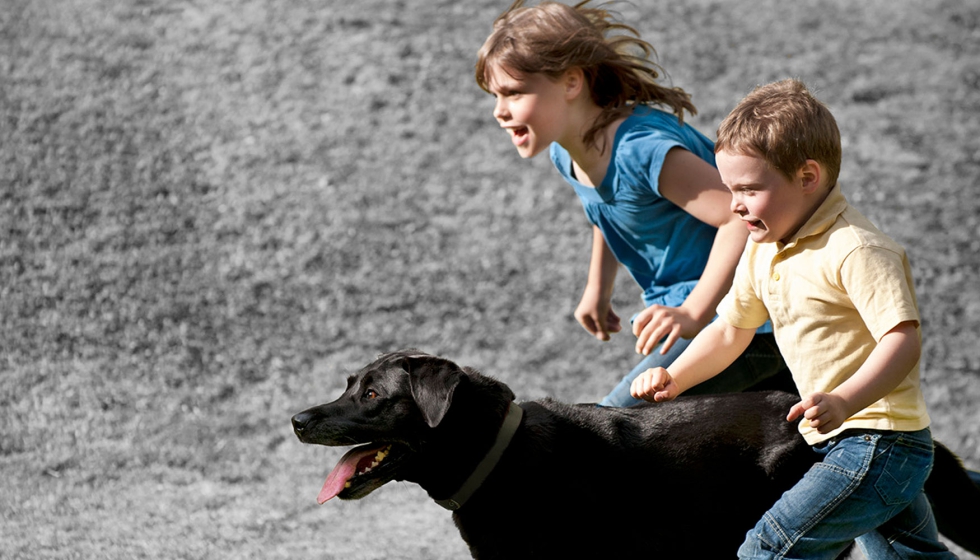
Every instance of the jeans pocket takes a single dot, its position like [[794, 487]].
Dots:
[[853, 453], [906, 467]]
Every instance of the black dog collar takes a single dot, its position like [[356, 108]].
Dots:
[[511, 421]]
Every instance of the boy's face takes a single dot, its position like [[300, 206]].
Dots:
[[772, 206], [530, 107]]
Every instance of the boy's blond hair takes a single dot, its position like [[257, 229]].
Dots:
[[785, 125], [551, 38]]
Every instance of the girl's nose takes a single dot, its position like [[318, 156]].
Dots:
[[499, 108], [737, 207]]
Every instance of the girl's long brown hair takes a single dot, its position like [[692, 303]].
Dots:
[[551, 38]]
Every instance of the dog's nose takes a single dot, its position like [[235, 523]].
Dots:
[[300, 422]]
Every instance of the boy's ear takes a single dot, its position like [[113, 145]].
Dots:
[[810, 174]]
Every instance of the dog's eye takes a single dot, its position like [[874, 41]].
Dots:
[[371, 394]]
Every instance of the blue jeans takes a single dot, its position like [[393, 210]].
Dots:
[[867, 488], [760, 361]]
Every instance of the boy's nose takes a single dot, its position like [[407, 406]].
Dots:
[[737, 207]]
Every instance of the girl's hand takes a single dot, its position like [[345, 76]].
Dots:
[[651, 325], [654, 384], [825, 411], [595, 314]]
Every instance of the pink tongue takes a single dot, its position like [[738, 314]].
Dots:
[[344, 470]]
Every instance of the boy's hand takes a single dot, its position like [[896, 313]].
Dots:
[[654, 384], [825, 411], [597, 317]]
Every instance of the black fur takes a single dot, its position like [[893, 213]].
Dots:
[[577, 481]]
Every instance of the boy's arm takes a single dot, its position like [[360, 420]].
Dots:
[[889, 363], [711, 351], [594, 311]]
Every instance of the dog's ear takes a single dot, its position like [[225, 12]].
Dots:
[[432, 381]]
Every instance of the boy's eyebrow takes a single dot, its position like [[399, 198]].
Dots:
[[741, 186]]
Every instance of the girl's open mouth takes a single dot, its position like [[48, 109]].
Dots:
[[519, 135]]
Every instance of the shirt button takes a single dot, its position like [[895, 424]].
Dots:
[[775, 276]]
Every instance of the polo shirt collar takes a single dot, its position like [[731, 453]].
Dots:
[[825, 216]]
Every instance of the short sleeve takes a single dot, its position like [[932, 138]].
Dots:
[[641, 155], [878, 282], [742, 307]]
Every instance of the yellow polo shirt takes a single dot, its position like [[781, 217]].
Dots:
[[832, 292]]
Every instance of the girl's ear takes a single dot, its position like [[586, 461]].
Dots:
[[574, 82], [810, 175]]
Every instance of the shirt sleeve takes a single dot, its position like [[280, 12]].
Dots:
[[641, 157], [742, 307], [879, 283]]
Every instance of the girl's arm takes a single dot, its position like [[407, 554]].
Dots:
[[594, 311], [889, 363], [695, 186], [711, 351]]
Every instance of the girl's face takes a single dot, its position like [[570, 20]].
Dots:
[[531, 107]]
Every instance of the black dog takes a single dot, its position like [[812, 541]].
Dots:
[[551, 480]]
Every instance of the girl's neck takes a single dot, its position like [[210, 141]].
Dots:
[[590, 162]]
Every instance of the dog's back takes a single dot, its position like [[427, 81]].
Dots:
[[570, 483]]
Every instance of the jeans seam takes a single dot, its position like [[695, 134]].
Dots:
[[914, 443], [914, 531], [783, 536]]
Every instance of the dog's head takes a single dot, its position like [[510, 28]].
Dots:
[[391, 408]]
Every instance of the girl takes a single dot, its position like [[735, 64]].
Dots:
[[563, 80]]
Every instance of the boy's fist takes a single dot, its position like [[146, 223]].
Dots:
[[654, 384]]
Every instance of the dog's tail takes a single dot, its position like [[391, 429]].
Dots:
[[955, 499]]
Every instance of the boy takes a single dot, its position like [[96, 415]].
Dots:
[[840, 296]]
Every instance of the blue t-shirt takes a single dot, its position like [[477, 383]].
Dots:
[[663, 247]]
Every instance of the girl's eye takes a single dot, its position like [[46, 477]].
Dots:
[[370, 394], [506, 94]]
